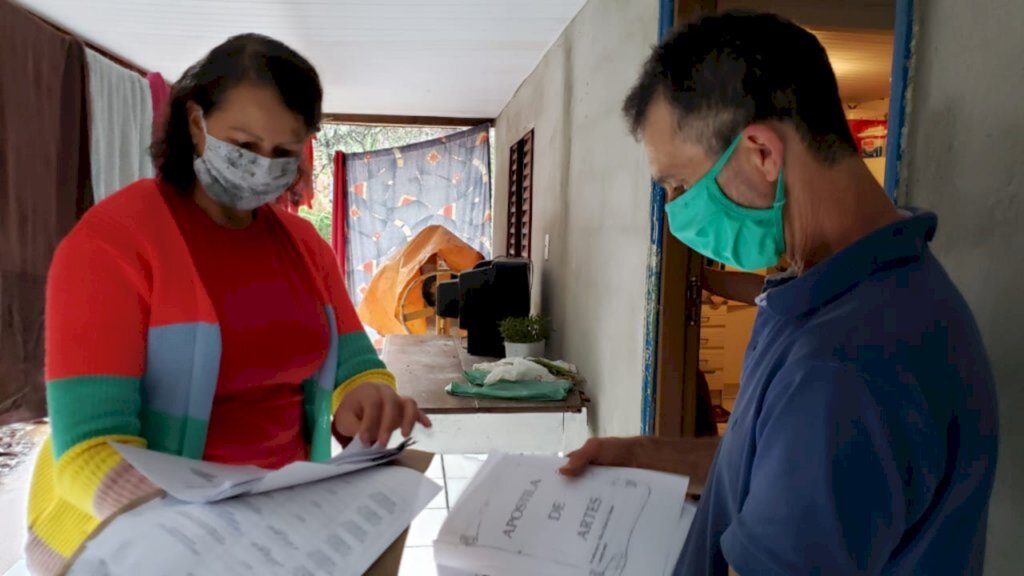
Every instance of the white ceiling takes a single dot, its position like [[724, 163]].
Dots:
[[457, 58]]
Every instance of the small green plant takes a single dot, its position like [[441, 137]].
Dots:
[[525, 330]]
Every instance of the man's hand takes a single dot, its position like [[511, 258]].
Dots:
[[603, 452], [736, 286], [372, 411], [686, 456]]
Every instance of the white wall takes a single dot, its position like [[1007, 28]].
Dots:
[[965, 145], [592, 197]]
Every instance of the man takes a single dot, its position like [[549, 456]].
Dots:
[[864, 437]]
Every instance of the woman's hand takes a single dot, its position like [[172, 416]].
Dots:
[[372, 411]]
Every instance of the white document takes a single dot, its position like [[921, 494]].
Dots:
[[198, 481], [520, 516], [337, 526]]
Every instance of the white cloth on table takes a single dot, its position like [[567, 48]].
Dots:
[[120, 125], [514, 370]]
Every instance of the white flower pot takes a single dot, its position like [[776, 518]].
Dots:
[[530, 350]]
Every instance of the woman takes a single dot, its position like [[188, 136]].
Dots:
[[190, 315]]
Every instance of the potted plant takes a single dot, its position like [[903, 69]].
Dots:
[[525, 337]]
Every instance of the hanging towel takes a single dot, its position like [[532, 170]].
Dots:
[[44, 189], [160, 94], [121, 126]]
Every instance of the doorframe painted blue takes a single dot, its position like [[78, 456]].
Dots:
[[902, 37], [666, 17], [903, 32]]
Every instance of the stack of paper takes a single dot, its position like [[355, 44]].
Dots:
[[339, 525], [519, 516], [198, 481]]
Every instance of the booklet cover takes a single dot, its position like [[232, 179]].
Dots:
[[520, 516]]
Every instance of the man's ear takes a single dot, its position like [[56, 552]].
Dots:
[[766, 149]]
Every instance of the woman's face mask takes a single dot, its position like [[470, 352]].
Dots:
[[705, 219], [240, 179]]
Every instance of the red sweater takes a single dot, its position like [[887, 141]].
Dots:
[[274, 335]]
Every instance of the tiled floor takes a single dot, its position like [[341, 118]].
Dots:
[[454, 473]]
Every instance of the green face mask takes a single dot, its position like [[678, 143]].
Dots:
[[705, 219]]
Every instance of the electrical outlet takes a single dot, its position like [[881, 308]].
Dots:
[[547, 246]]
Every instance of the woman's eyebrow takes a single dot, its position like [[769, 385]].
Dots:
[[248, 132], [258, 138]]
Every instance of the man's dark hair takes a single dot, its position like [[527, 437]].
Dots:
[[724, 72], [247, 58]]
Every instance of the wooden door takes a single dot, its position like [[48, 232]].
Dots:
[[675, 397]]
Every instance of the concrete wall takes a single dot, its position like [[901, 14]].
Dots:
[[591, 197], [965, 144]]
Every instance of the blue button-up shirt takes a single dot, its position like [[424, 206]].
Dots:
[[863, 440]]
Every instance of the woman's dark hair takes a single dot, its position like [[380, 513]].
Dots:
[[247, 58], [726, 71]]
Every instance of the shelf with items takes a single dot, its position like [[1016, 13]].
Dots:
[[725, 329]]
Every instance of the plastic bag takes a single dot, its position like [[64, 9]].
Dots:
[[532, 390]]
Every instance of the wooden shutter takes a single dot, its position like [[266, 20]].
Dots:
[[520, 198]]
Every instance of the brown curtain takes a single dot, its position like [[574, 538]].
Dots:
[[44, 189]]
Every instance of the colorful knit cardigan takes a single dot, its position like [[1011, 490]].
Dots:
[[132, 355]]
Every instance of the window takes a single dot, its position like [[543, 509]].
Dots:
[[520, 197]]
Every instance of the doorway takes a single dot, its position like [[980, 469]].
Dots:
[[701, 337]]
